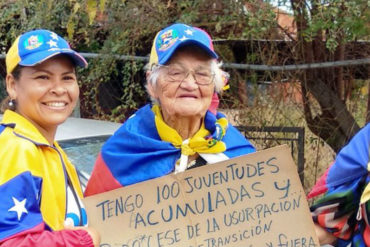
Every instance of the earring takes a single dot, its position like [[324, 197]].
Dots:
[[11, 103]]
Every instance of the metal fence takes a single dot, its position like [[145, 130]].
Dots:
[[270, 136]]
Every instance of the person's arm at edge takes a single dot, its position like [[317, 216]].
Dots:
[[324, 236]]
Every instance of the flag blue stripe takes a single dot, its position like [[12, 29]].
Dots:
[[22, 187], [2, 127]]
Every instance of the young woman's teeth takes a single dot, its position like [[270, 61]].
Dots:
[[56, 104]]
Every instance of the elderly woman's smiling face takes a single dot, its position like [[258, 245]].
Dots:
[[191, 96]]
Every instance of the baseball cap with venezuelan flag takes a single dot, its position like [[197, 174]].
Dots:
[[168, 40], [34, 47]]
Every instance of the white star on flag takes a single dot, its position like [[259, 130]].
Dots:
[[19, 207], [189, 32], [54, 36], [52, 43], [183, 38]]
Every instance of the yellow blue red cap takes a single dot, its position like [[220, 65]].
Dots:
[[168, 40], [34, 47]]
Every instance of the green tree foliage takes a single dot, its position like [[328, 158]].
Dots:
[[112, 88], [325, 30]]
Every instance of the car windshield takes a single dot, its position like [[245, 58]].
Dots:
[[82, 152]]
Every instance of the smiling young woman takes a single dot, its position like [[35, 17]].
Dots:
[[45, 93], [41, 194]]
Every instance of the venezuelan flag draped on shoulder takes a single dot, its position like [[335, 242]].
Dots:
[[146, 148], [344, 210]]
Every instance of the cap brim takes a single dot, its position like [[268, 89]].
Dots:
[[39, 57], [176, 46]]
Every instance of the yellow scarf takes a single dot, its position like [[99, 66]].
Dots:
[[201, 142]]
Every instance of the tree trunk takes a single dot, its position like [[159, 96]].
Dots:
[[239, 52], [334, 123]]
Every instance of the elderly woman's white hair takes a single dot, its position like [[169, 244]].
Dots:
[[219, 76]]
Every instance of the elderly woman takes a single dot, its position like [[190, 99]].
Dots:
[[176, 132]]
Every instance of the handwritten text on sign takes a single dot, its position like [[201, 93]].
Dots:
[[254, 200]]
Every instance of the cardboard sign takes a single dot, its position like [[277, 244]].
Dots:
[[254, 200]]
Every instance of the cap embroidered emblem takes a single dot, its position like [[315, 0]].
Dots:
[[189, 32], [177, 35], [52, 43], [33, 42], [54, 36], [183, 38], [167, 39]]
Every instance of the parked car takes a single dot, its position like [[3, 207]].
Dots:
[[82, 139]]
